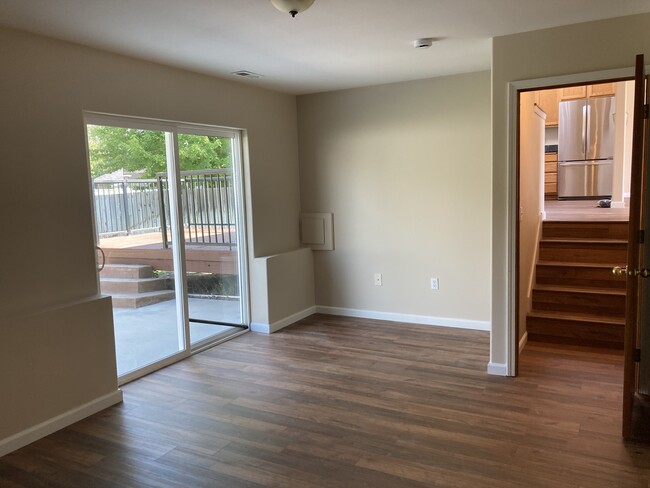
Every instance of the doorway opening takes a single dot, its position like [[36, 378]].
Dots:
[[574, 183], [168, 215]]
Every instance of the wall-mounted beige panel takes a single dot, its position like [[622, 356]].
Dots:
[[317, 231]]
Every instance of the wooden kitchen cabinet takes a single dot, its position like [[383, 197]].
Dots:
[[549, 102], [601, 90], [573, 92], [550, 175]]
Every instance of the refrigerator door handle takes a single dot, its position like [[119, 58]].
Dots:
[[585, 115], [577, 163]]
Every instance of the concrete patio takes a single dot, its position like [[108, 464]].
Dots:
[[148, 334]]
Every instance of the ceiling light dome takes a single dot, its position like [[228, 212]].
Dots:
[[292, 7]]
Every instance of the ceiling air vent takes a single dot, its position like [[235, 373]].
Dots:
[[247, 74]]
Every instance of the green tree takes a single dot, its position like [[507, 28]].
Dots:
[[115, 148]]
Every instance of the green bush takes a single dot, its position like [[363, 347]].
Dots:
[[204, 283]]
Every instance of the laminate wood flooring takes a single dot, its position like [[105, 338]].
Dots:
[[340, 402]]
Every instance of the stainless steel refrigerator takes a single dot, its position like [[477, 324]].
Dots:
[[585, 148]]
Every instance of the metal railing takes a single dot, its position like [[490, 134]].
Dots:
[[208, 207], [140, 206]]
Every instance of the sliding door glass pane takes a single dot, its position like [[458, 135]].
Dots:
[[129, 177], [209, 207]]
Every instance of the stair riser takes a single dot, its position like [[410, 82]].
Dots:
[[114, 271], [611, 305], [559, 331], [132, 286], [572, 252], [577, 276], [585, 230]]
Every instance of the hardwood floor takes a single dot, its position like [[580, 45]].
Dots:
[[583, 210], [339, 402]]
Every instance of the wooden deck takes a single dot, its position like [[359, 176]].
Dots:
[[148, 249]]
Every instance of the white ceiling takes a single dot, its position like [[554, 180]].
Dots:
[[335, 44]]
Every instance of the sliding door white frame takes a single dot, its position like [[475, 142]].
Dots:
[[172, 130]]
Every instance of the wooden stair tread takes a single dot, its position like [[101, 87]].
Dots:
[[578, 289], [585, 222], [577, 317], [580, 240], [573, 264]]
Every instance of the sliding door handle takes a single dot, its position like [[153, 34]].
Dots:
[[101, 267]]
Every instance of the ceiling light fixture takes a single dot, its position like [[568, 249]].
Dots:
[[292, 7], [247, 74], [423, 43]]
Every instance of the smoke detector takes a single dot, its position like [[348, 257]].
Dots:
[[423, 43]]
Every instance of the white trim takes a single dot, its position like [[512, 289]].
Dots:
[[50, 426], [497, 369], [282, 323], [210, 342], [585, 78], [533, 266], [147, 123], [408, 318], [239, 185], [523, 341], [150, 368]]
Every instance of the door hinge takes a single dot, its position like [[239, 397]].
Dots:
[[641, 236], [637, 355], [646, 111]]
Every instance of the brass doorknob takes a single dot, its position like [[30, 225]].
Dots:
[[618, 271]]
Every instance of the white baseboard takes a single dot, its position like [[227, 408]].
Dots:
[[523, 341], [281, 324], [50, 426], [497, 369], [408, 318]]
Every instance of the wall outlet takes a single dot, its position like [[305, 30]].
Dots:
[[378, 279], [435, 284]]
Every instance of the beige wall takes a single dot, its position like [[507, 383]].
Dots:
[[581, 48], [48, 248], [405, 169], [53, 362], [531, 198], [290, 291]]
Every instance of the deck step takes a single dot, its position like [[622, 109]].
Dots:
[[137, 300], [579, 274], [575, 299], [126, 271], [576, 329], [131, 285]]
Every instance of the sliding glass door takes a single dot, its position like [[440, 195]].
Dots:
[[168, 218], [210, 205]]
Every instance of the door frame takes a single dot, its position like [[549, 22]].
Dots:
[[178, 247], [510, 340]]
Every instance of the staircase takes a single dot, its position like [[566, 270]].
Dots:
[[133, 285], [576, 298]]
